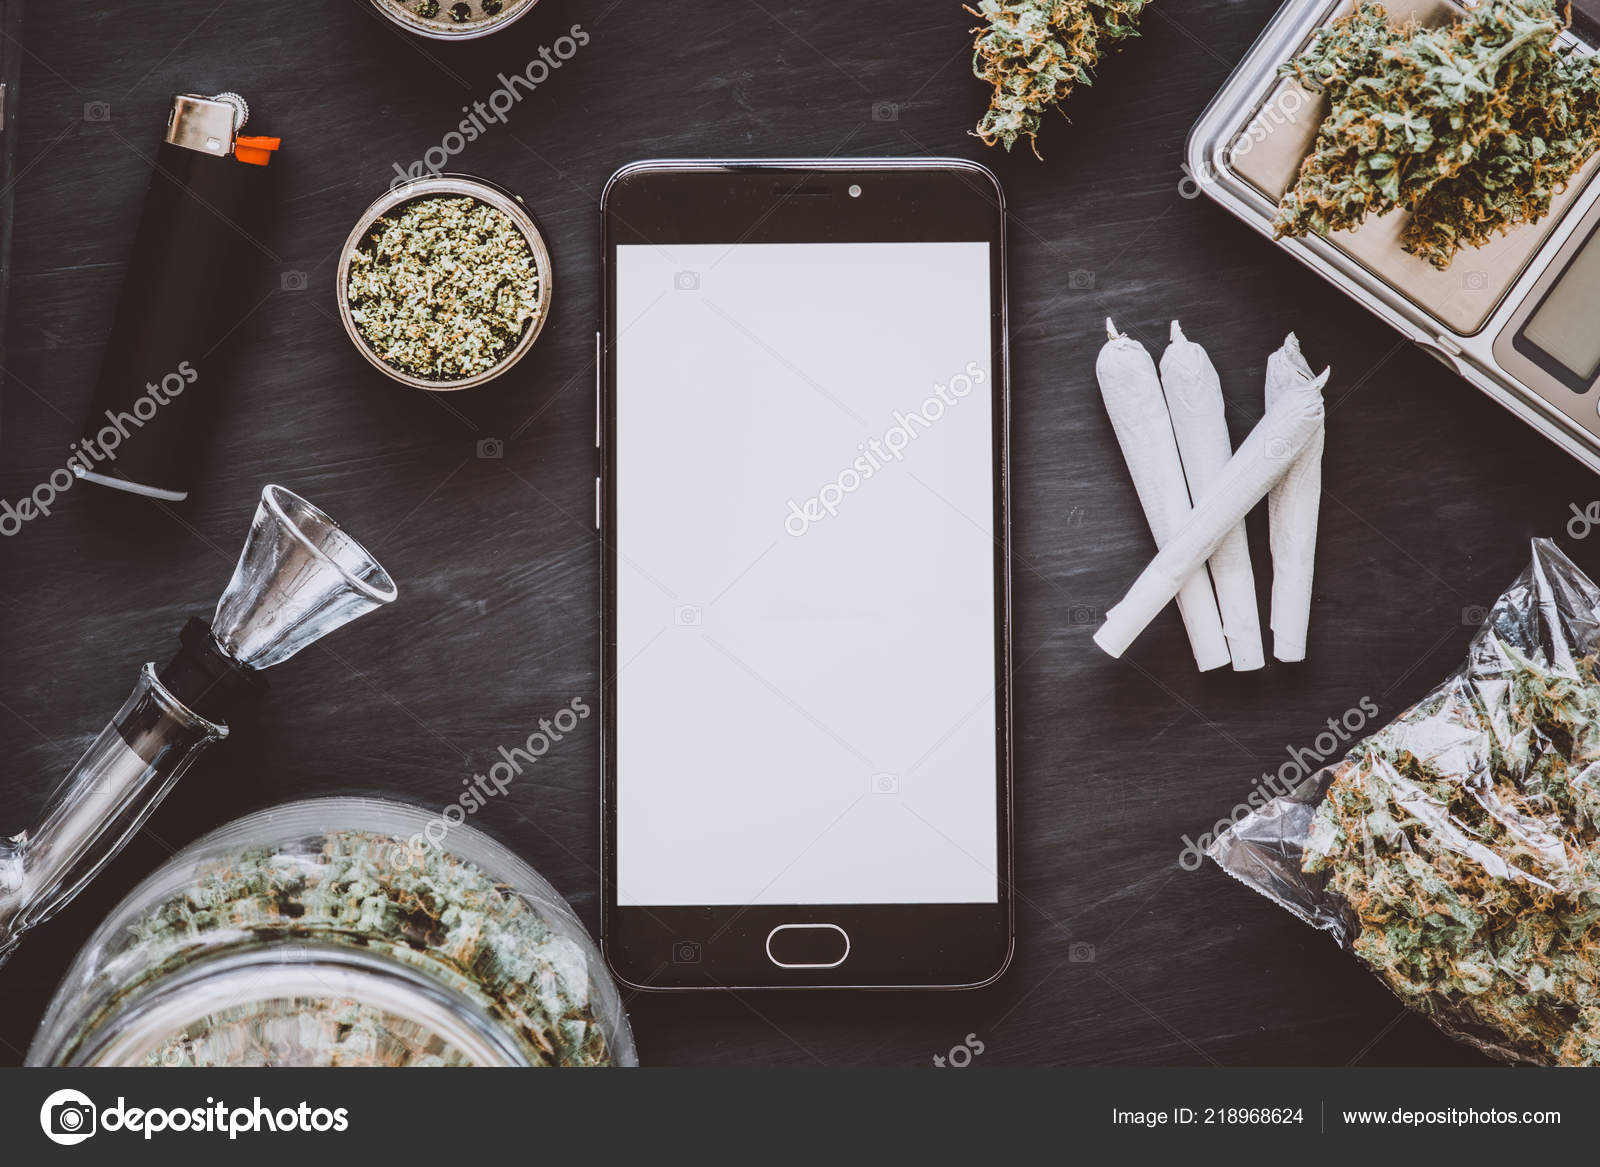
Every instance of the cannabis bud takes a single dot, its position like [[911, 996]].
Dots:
[[1472, 868], [1474, 127], [1035, 51], [1456, 851]]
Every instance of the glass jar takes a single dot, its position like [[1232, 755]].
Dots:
[[330, 932]]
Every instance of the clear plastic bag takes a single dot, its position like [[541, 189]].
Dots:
[[1456, 852]]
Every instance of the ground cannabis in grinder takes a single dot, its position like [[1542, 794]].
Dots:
[[1034, 52], [444, 288], [1473, 126], [1465, 838]]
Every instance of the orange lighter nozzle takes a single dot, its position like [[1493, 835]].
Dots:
[[256, 151]]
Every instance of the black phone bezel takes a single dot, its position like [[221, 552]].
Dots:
[[804, 201]]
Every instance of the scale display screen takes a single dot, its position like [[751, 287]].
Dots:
[[1566, 326], [1562, 334]]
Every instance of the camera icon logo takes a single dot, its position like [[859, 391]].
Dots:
[[686, 952], [97, 111], [1080, 280], [293, 281], [491, 448], [184, 1049], [1082, 614], [686, 616], [687, 281], [404, 856], [885, 784], [68, 1117], [1474, 615], [1080, 952], [885, 111], [1475, 281]]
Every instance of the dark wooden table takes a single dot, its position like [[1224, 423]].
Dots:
[[1122, 955]]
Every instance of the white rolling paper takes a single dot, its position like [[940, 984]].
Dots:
[[1292, 509], [1287, 429], [1138, 411], [1194, 398]]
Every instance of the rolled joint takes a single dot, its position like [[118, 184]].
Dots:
[[1289, 647], [1144, 601]]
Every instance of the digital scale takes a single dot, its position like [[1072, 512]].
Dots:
[[1518, 317]]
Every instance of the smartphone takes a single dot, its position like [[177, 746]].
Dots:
[[803, 501]]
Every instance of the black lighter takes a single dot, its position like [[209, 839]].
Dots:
[[199, 234]]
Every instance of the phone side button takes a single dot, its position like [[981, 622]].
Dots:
[[808, 945], [598, 490]]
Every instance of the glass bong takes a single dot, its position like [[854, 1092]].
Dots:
[[298, 578]]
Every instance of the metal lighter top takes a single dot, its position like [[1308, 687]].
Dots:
[[207, 124]]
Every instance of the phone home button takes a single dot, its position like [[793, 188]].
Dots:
[[808, 945]]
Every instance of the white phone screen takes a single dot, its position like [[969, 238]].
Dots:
[[806, 599]]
